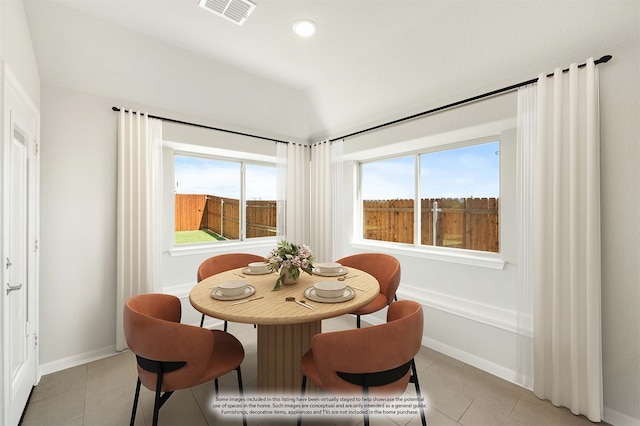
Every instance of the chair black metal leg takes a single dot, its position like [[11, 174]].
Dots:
[[241, 390], [157, 403], [215, 385], [240, 387], [358, 321], [366, 403], [304, 385], [202, 320], [414, 379], [225, 326], [135, 403]]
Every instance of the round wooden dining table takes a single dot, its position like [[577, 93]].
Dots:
[[285, 328]]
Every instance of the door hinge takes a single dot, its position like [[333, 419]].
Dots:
[[37, 148], [35, 340], [35, 247]]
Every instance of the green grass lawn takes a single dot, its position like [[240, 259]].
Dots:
[[198, 236]]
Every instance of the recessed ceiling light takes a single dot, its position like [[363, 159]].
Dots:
[[304, 28]]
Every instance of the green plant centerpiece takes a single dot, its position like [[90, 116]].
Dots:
[[289, 259]]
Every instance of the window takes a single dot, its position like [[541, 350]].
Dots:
[[457, 190], [221, 199], [388, 192]]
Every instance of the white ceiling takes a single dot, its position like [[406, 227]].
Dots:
[[403, 54]]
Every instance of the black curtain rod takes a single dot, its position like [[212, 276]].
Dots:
[[206, 127], [602, 60]]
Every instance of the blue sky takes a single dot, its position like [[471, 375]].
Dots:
[[454, 173], [196, 175]]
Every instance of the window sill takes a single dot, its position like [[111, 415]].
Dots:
[[223, 247], [442, 254]]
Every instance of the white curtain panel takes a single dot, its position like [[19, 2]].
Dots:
[[139, 219], [526, 138], [566, 242], [321, 202], [296, 194], [281, 189], [337, 188]]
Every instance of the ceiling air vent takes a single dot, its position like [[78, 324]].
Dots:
[[234, 10]]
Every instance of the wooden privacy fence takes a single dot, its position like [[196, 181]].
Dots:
[[222, 215], [468, 223]]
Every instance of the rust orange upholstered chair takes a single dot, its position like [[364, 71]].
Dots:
[[376, 360], [173, 356], [386, 269], [225, 262]]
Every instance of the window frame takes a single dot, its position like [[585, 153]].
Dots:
[[485, 259], [244, 158]]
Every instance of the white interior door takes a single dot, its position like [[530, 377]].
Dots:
[[19, 260]]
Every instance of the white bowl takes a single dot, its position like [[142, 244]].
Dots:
[[329, 267], [259, 267], [329, 289], [233, 287]]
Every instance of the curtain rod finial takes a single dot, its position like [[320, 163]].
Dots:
[[116, 109], [604, 59]]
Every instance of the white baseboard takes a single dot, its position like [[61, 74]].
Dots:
[[105, 352], [469, 310], [612, 417], [471, 359], [618, 419], [454, 352], [78, 359], [483, 315]]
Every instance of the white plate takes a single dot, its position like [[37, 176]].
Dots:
[[341, 271], [217, 294], [248, 271], [349, 293]]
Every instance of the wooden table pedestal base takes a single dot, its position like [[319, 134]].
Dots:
[[280, 348]]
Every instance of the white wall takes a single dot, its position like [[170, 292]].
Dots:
[[465, 305], [180, 266], [16, 48], [620, 201], [93, 56], [16, 53], [471, 312], [78, 215], [79, 160], [78, 223]]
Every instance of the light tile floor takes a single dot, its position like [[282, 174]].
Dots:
[[101, 393]]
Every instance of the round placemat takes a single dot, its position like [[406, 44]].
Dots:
[[349, 293], [217, 294], [341, 271]]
